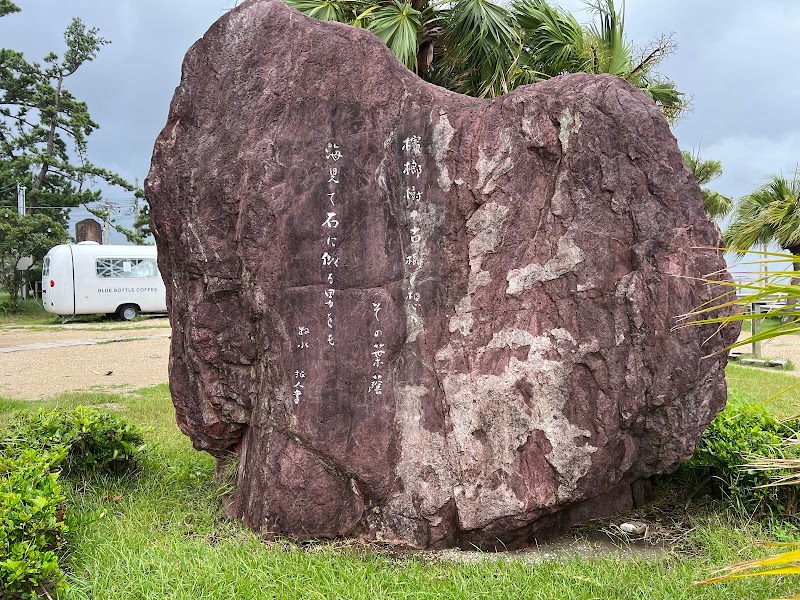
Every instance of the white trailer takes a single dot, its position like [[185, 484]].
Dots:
[[87, 278]]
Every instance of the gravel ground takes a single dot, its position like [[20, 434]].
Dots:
[[126, 356], [782, 347], [119, 357]]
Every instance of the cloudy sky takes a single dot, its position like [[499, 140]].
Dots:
[[737, 59]]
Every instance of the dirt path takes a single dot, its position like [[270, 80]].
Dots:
[[41, 361], [35, 361], [781, 347]]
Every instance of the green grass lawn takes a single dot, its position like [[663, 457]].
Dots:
[[765, 324], [29, 312], [779, 392], [161, 534]]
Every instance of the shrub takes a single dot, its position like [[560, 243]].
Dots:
[[32, 524], [96, 441], [721, 464], [33, 451]]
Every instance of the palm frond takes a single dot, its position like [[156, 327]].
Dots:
[[786, 563], [742, 295], [716, 205], [483, 49], [664, 94], [325, 10], [398, 25], [552, 37], [704, 171], [613, 54], [770, 212], [482, 44], [360, 19], [749, 225]]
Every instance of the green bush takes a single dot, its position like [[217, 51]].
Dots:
[[96, 441], [32, 524], [738, 436], [34, 450]]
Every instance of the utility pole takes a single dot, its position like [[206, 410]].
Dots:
[[107, 224], [755, 307], [136, 227], [21, 209], [21, 198]]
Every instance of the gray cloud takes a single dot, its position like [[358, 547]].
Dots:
[[737, 59]]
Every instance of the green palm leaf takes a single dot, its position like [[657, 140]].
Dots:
[[480, 48], [785, 563], [553, 39], [716, 205], [611, 53], [325, 10], [398, 25], [664, 93], [482, 44], [749, 226], [772, 212], [704, 171]]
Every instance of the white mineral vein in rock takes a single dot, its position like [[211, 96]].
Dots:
[[425, 466], [490, 169], [486, 227], [569, 124], [462, 321], [492, 420], [443, 134], [568, 256]]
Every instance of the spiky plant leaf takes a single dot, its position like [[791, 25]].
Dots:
[[398, 25], [482, 44], [325, 10], [704, 171], [553, 39], [770, 213], [785, 563], [610, 52]]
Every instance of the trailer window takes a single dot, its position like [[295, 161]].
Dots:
[[128, 268], [46, 267]]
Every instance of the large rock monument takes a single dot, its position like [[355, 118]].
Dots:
[[418, 317]]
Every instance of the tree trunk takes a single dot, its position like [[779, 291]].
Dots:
[[51, 138], [13, 293]]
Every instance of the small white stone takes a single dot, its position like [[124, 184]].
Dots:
[[633, 528]]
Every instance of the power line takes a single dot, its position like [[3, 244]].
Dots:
[[42, 207]]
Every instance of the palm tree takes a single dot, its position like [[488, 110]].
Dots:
[[771, 213], [555, 43], [477, 49], [480, 48], [705, 171], [468, 46]]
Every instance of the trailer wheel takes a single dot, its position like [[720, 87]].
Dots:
[[127, 312]]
